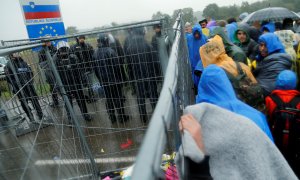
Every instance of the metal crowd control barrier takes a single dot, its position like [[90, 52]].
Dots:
[[175, 95], [74, 113]]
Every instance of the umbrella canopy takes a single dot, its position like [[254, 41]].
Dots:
[[271, 14]]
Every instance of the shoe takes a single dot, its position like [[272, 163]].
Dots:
[[87, 117]]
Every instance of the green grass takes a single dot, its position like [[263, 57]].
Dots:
[[42, 89]]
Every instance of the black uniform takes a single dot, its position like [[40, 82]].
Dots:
[[84, 52], [108, 70], [128, 41], [155, 54], [68, 69], [48, 73], [142, 66], [26, 88], [115, 44]]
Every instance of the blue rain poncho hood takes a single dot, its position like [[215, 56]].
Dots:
[[286, 80], [231, 28], [215, 88], [272, 43], [269, 27], [195, 44]]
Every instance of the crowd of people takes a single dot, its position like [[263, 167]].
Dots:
[[248, 72], [251, 70], [114, 65]]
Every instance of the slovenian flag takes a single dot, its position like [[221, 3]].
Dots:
[[33, 11]]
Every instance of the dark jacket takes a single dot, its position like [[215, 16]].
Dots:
[[254, 33], [141, 64], [250, 47], [233, 51], [42, 53], [84, 53], [107, 65], [115, 44], [44, 63], [269, 67], [68, 69], [24, 73]]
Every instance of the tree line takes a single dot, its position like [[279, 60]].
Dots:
[[224, 12], [216, 12]]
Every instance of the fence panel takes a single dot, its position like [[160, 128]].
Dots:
[[112, 86], [162, 135]]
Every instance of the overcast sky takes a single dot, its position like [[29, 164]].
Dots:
[[86, 14]]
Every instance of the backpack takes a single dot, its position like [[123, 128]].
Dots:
[[285, 127], [248, 92]]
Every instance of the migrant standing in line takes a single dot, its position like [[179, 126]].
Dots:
[[271, 60], [195, 41]]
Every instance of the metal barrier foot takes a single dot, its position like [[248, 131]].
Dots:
[[26, 127]]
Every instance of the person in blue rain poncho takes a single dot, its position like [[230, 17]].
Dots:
[[231, 27], [271, 60], [215, 88], [269, 27], [195, 41]]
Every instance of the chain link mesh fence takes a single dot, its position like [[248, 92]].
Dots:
[[78, 110], [162, 135]]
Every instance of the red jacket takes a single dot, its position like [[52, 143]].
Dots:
[[285, 95]]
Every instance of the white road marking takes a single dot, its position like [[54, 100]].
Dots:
[[84, 161]]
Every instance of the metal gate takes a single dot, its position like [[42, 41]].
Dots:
[[81, 112]]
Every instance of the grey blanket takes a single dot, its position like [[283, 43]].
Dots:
[[238, 149]]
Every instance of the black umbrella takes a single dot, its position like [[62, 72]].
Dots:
[[271, 14]]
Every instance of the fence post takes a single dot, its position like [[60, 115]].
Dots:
[[96, 171], [163, 54]]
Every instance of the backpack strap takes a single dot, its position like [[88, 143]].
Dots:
[[278, 101], [294, 102], [239, 68]]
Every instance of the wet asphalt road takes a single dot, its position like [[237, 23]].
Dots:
[[55, 151]]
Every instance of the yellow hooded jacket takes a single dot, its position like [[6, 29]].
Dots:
[[213, 52]]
